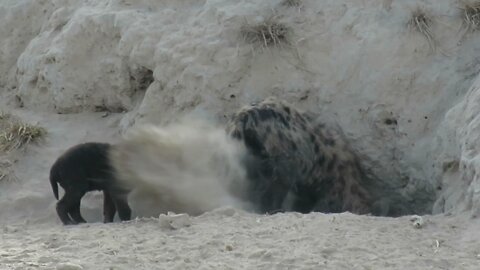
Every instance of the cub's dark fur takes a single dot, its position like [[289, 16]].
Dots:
[[83, 168]]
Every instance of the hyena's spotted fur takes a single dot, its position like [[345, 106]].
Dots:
[[297, 164]]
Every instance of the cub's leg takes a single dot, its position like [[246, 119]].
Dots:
[[62, 210], [75, 211], [119, 198], [70, 205], [109, 208]]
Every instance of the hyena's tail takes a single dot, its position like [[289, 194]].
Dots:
[[53, 182]]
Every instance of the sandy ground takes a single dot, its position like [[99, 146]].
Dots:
[[33, 238], [231, 239]]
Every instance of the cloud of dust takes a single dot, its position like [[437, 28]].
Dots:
[[187, 167]]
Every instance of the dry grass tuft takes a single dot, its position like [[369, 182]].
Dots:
[[270, 33], [19, 135], [292, 3], [422, 23], [471, 15], [6, 171], [14, 134]]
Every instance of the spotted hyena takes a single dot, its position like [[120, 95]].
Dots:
[[296, 163]]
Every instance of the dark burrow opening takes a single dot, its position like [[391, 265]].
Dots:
[[141, 78], [297, 163]]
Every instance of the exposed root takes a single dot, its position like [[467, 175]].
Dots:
[[471, 15], [292, 3], [422, 23], [270, 33]]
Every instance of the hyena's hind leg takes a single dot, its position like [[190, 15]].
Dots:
[[68, 208], [304, 199], [109, 208]]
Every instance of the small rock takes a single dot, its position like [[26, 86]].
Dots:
[[69, 266], [9, 229], [174, 221], [225, 211], [228, 248], [417, 221], [257, 254], [44, 259]]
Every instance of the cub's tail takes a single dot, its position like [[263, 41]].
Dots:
[[53, 182]]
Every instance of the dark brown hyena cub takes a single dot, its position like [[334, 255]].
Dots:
[[83, 168]]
